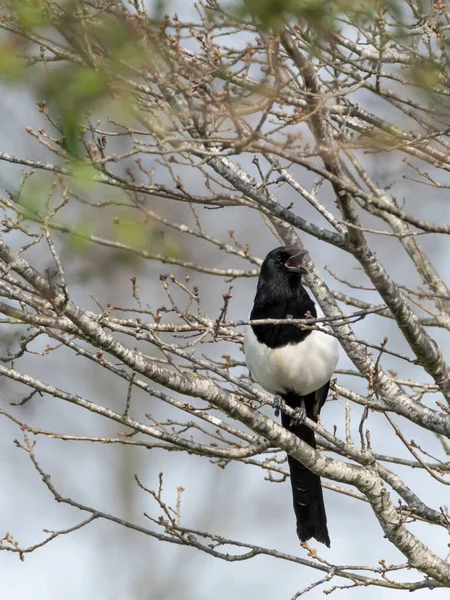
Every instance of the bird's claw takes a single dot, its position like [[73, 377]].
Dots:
[[279, 405], [298, 416]]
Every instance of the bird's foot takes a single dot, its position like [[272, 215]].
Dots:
[[279, 405], [299, 416]]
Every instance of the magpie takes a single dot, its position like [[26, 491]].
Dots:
[[295, 364]]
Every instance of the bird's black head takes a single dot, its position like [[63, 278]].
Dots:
[[280, 294], [283, 261]]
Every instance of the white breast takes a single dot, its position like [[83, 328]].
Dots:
[[303, 367]]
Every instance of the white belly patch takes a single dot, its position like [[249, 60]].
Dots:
[[302, 367]]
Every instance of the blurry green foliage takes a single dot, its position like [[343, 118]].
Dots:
[[107, 46], [426, 75], [34, 195], [11, 65], [74, 90], [83, 175], [272, 13], [134, 234], [318, 15], [172, 248], [29, 13], [77, 241]]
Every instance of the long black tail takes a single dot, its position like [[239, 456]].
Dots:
[[306, 487]]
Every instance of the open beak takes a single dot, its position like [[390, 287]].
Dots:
[[294, 262]]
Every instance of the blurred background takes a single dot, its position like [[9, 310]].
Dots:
[[106, 561]]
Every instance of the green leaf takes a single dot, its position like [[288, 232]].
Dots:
[[30, 13], [77, 243], [11, 66], [134, 234]]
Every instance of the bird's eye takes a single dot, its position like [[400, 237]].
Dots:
[[278, 258]]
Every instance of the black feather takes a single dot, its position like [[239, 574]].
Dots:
[[280, 295], [307, 492]]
